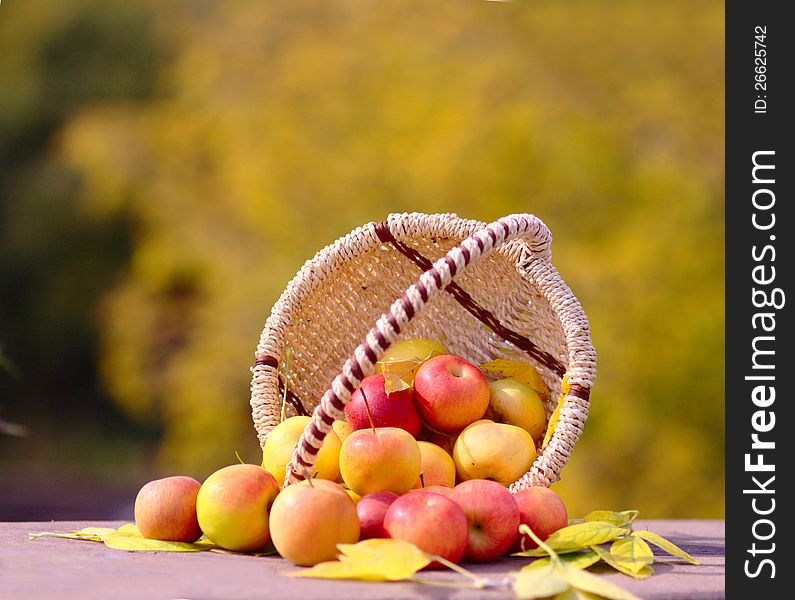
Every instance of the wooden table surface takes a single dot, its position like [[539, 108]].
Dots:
[[66, 569]]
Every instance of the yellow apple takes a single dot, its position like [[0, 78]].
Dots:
[[496, 451], [403, 358], [384, 459], [516, 403], [342, 429], [280, 445], [437, 466], [308, 519], [353, 495]]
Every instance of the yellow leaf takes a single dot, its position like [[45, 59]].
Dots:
[[127, 529], [632, 552], [371, 560], [127, 537], [666, 545], [575, 594], [91, 534], [578, 560], [642, 573], [553, 421], [590, 583], [521, 371], [393, 382], [578, 537], [132, 542], [539, 583]]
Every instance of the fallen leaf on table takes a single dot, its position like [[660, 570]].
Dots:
[[630, 569], [127, 537], [619, 519], [590, 583], [666, 545], [539, 583], [574, 538], [371, 560], [632, 552], [577, 560]]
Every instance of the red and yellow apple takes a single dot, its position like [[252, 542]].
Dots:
[[165, 509], [387, 410], [309, 518], [450, 392], [232, 507], [543, 511], [430, 521], [437, 466], [497, 451], [384, 459], [493, 518], [280, 445]]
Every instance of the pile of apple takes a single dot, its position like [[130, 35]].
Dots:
[[415, 460]]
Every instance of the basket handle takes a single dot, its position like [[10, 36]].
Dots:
[[386, 330]]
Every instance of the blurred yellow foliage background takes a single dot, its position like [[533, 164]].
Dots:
[[268, 129]]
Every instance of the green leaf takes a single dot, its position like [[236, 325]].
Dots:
[[539, 583], [578, 537], [632, 552], [619, 519], [642, 573], [666, 545], [578, 560], [590, 583], [371, 560]]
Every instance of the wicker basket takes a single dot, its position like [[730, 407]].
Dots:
[[506, 301]]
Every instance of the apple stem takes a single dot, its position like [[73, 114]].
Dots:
[[479, 582], [545, 547], [367, 408], [422, 478]]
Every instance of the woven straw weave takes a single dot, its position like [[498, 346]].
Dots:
[[377, 285]]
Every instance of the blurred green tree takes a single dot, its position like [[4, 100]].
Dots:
[[57, 259], [281, 126]]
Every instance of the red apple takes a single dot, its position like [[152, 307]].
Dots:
[[493, 517], [450, 392], [541, 510], [388, 410], [430, 521], [371, 510], [165, 509]]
